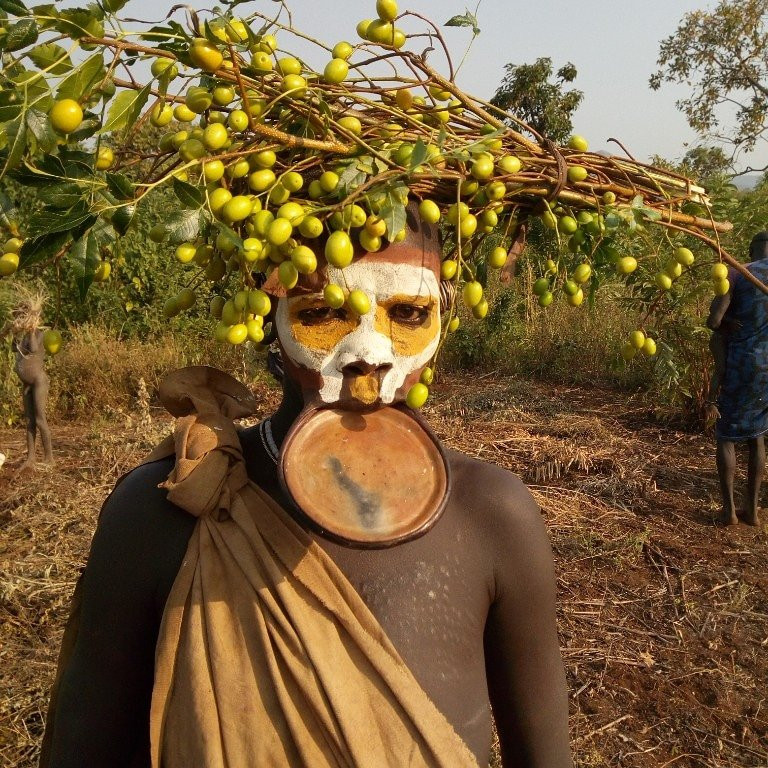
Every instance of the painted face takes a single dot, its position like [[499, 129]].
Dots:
[[341, 358]]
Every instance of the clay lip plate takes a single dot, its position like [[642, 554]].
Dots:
[[365, 478]]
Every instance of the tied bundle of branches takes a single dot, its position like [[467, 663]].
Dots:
[[275, 164]]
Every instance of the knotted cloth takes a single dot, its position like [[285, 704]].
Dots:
[[267, 656]]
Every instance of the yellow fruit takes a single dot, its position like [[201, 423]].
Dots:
[[380, 31], [259, 181], [329, 181], [567, 225], [213, 170], [304, 259], [480, 310], [255, 331], [417, 395], [339, 250], [171, 307], [52, 341], [205, 55], [104, 159], [637, 339], [12, 245], [335, 71], [628, 351], [497, 258], [626, 265], [369, 243], [453, 325], [509, 164], [649, 347], [577, 173], [288, 274], [448, 269], [237, 333], [673, 269], [279, 231], [186, 298], [582, 273], [359, 302], [468, 226], [342, 50], [472, 293], [192, 149], [66, 115], [351, 124], [259, 303], [722, 287], [215, 136], [311, 227], [546, 299], [296, 85], [238, 120], [684, 256], [362, 28], [289, 65], [183, 113], [262, 61], [185, 252], [9, 263], [576, 299], [663, 281], [578, 143], [719, 271], [334, 296], [102, 272], [268, 43], [427, 376], [261, 221], [292, 181], [198, 99], [218, 199], [609, 198], [164, 67], [161, 115], [429, 211], [386, 9], [482, 168], [264, 159]]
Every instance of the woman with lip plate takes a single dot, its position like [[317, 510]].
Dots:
[[331, 587]]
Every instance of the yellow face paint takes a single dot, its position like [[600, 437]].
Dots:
[[411, 322], [365, 389], [319, 335]]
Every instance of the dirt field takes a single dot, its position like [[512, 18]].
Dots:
[[663, 616]]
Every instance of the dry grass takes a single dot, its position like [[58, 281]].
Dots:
[[662, 615]]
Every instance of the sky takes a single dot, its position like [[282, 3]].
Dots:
[[613, 44]]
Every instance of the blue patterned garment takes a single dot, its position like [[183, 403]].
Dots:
[[743, 400]]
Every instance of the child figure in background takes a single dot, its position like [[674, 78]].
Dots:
[[27, 334]]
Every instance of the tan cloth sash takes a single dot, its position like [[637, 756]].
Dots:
[[267, 656]]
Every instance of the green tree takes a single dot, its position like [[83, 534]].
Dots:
[[722, 56], [529, 93]]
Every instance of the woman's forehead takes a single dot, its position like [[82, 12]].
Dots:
[[386, 278]]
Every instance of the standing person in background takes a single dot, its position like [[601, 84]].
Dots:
[[739, 389], [24, 328]]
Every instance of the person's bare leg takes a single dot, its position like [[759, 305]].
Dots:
[[40, 395], [754, 479], [29, 415], [726, 470]]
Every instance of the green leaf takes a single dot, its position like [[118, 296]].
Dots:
[[419, 154], [83, 259], [189, 196], [350, 178], [126, 109], [40, 127], [183, 226], [8, 212], [36, 249], [64, 195], [17, 143], [393, 213], [120, 186], [10, 105], [50, 220], [81, 81], [87, 128], [52, 57], [45, 14], [14, 7], [20, 35], [81, 22], [467, 20]]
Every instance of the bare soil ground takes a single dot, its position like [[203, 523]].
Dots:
[[663, 616]]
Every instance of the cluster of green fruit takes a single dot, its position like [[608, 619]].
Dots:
[[9, 261], [277, 166]]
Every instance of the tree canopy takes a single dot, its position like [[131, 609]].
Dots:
[[722, 55]]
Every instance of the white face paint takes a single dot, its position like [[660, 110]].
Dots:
[[396, 338]]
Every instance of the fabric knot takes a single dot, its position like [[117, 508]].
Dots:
[[209, 469]]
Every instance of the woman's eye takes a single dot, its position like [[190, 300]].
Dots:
[[410, 314], [316, 315]]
